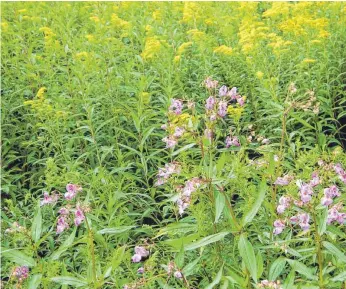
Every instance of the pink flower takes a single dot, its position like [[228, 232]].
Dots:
[[140, 270], [241, 101], [210, 103], [21, 273], [284, 204], [315, 180], [232, 93], [47, 199], [304, 221], [170, 141], [141, 251], [335, 215], [222, 111], [79, 216], [213, 117], [283, 181], [62, 225], [176, 106], [325, 201], [166, 172], [72, 191], [279, 227], [178, 132], [306, 192], [338, 169], [209, 83], [177, 274], [64, 211], [136, 258], [332, 192], [232, 141], [223, 91], [265, 141], [164, 126]]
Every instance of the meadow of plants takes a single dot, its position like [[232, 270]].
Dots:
[[173, 145]]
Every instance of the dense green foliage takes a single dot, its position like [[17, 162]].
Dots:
[[85, 90]]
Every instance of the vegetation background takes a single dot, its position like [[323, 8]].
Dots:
[[85, 89]]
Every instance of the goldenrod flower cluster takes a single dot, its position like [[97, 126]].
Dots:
[[223, 49], [152, 48]]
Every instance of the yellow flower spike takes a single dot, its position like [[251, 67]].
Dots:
[[209, 21], [118, 22], [82, 54], [308, 60], [90, 37], [223, 49], [157, 15], [182, 48], [21, 10], [4, 26], [259, 74], [40, 93], [96, 19]]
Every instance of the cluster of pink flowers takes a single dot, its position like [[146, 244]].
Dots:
[[302, 219], [184, 199], [176, 106], [329, 194], [210, 84], [63, 220], [306, 189], [334, 215], [72, 191], [140, 253], [49, 199], [284, 203], [166, 172], [283, 181], [232, 141], [20, 273], [340, 172], [269, 284]]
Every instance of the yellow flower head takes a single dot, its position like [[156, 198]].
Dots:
[[182, 48], [40, 93], [308, 60], [47, 31], [82, 55], [96, 19], [259, 74], [223, 49], [177, 59], [118, 22]]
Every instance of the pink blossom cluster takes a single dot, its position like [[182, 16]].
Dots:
[[232, 141], [49, 199], [284, 203], [210, 84], [340, 172], [283, 181], [184, 199], [302, 219], [334, 215], [176, 106], [306, 189], [72, 191], [20, 273], [166, 172], [269, 284], [140, 253], [63, 220], [329, 194], [172, 139]]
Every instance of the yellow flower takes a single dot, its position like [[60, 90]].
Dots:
[[4, 26], [151, 48], [22, 10], [309, 60], [40, 93], [209, 21], [90, 37], [315, 41], [118, 22], [96, 19], [259, 74], [223, 49], [196, 34], [183, 47], [82, 55], [157, 15], [47, 31]]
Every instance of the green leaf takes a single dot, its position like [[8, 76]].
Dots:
[[335, 251], [184, 148], [219, 205], [340, 277], [302, 121], [259, 260], [248, 255], [190, 268], [289, 282], [322, 221], [276, 268], [116, 230], [179, 258], [302, 269], [35, 281], [235, 278], [257, 204], [206, 241], [36, 227], [68, 280], [64, 246], [18, 257], [216, 280]]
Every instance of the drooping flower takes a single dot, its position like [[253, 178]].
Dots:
[[79, 216], [140, 270], [223, 90], [315, 180], [279, 226], [232, 93], [136, 258], [140, 253], [334, 214], [209, 83], [241, 101], [170, 141], [222, 111], [306, 191], [48, 200], [166, 172], [284, 203], [178, 275], [178, 132], [232, 141], [304, 219], [210, 102], [64, 211], [62, 225], [176, 106], [72, 191], [283, 181]]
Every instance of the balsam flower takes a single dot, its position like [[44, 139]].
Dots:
[[232, 141], [21, 273], [170, 141], [209, 83], [284, 203], [223, 90], [176, 106], [72, 191], [222, 111], [79, 216], [62, 225], [279, 226], [140, 253], [210, 102], [283, 181], [48, 200]]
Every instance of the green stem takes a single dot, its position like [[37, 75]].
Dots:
[[319, 253], [92, 247]]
